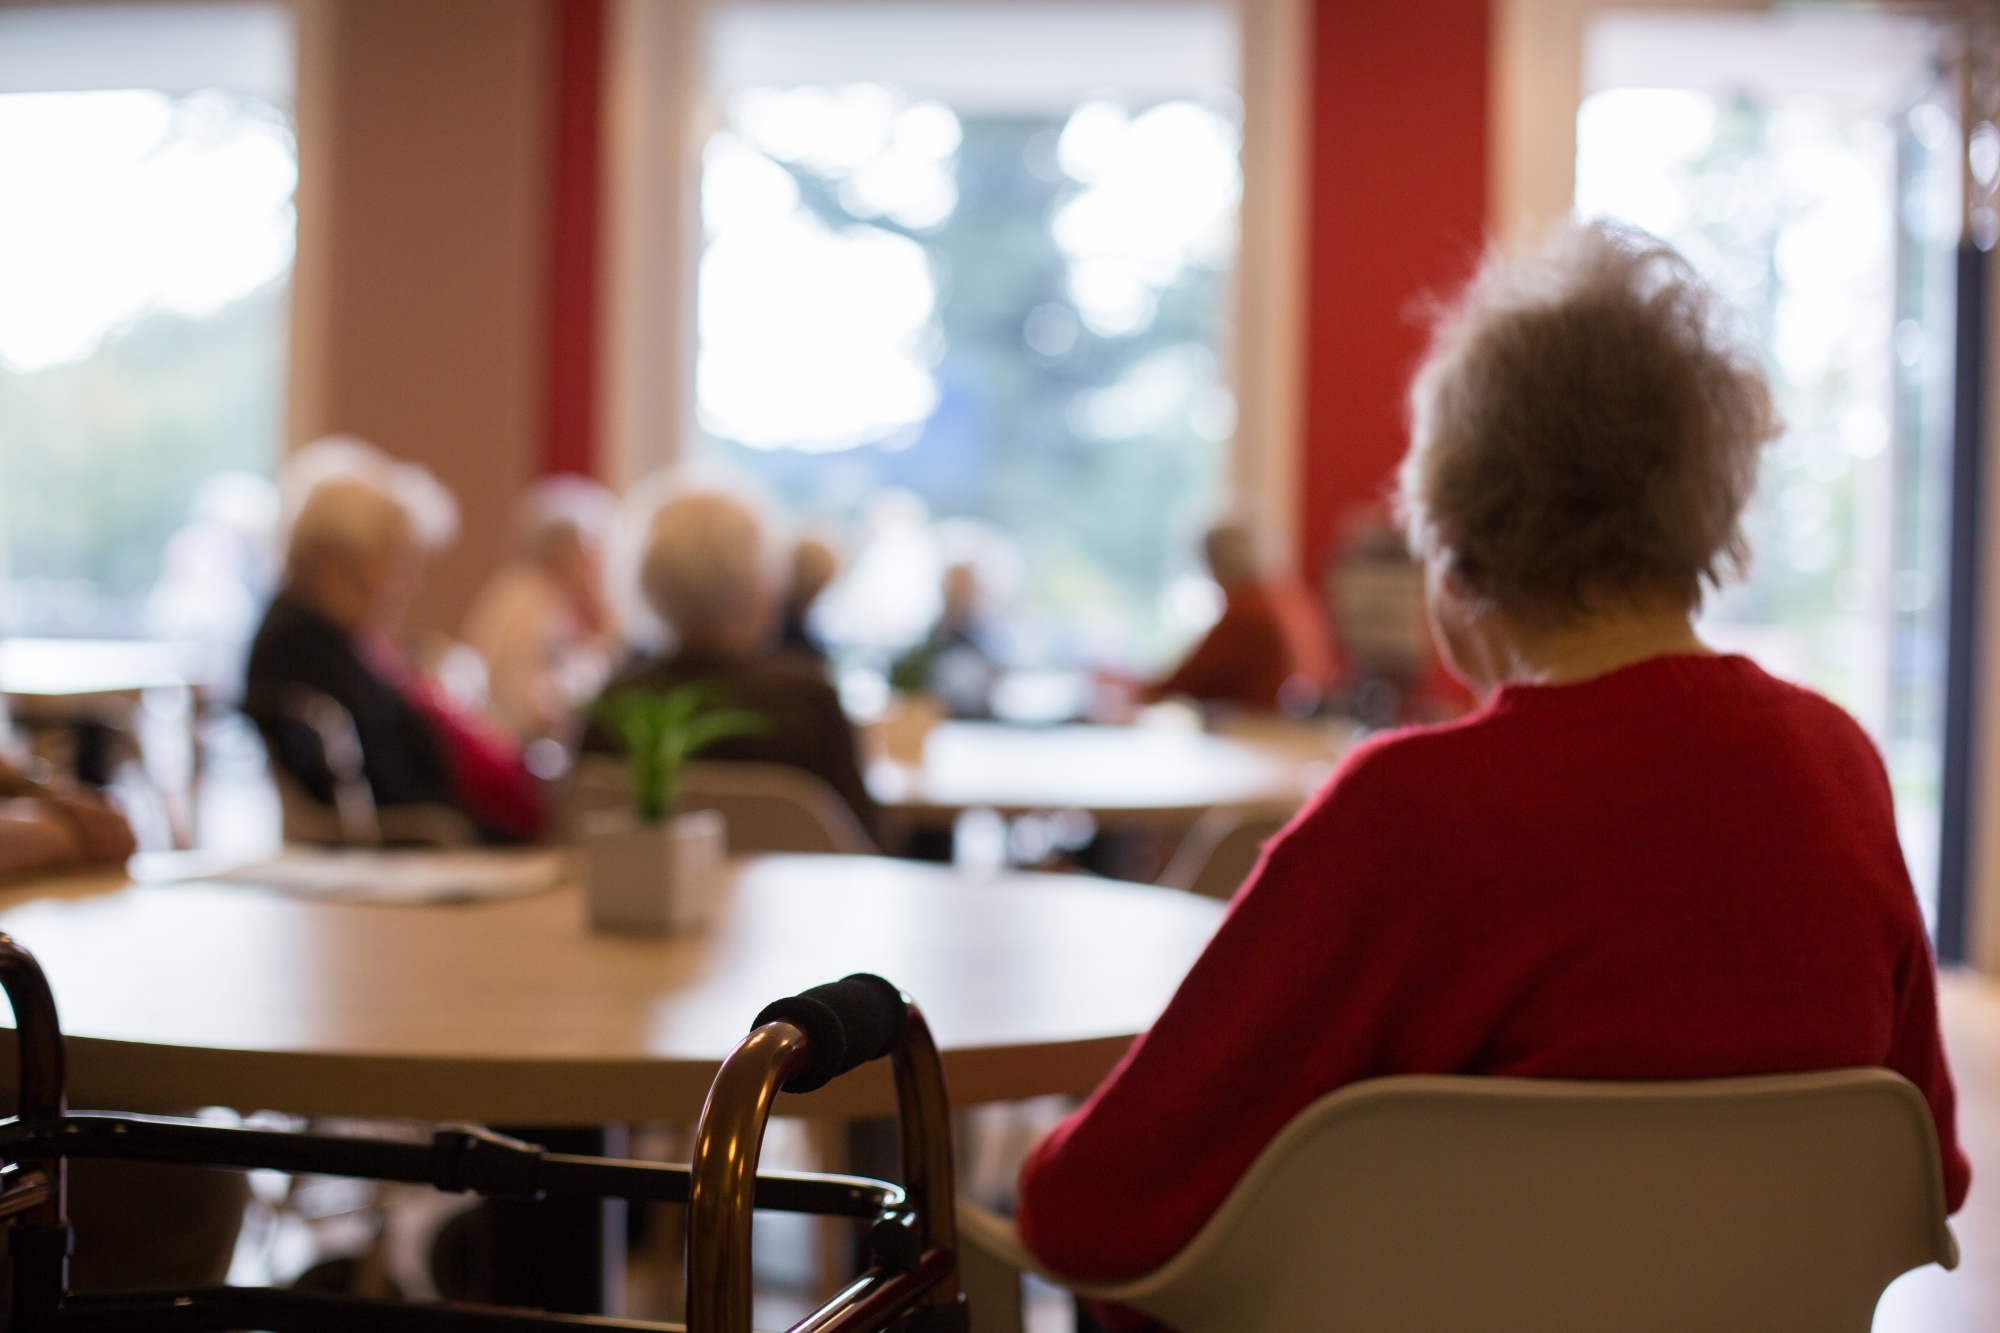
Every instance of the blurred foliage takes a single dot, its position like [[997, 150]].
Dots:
[[1103, 524], [99, 457], [660, 732]]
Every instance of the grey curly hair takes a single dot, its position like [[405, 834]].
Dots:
[[1584, 432]]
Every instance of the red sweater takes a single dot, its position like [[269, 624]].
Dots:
[[1268, 633], [1683, 869]]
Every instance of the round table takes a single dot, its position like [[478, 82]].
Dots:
[[1118, 774], [512, 1012]]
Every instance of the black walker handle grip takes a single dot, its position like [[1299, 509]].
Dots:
[[847, 1023]]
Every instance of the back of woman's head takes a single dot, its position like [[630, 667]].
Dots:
[[707, 564], [345, 521], [1584, 432]]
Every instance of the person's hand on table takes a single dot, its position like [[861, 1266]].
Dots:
[[63, 829], [102, 835]]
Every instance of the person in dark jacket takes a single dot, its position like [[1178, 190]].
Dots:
[[710, 573], [352, 563]]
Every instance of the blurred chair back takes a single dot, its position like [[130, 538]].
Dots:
[[768, 807], [1781, 1204], [1220, 851], [353, 820]]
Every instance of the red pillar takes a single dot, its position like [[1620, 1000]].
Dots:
[[1397, 211], [570, 432]]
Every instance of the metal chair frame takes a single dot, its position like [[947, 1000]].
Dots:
[[911, 1284]]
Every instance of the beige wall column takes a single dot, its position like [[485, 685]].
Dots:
[[1265, 466], [652, 189], [417, 317]]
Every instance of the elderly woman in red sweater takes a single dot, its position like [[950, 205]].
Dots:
[[1638, 859]]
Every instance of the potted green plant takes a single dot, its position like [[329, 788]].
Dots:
[[653, 868]]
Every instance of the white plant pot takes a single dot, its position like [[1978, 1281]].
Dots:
[[663, 877]]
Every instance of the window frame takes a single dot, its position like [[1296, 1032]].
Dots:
[[657, 117]]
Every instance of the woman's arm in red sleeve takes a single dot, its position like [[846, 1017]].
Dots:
[[1916, 1051], [1276, 1012], [1916, 1044]]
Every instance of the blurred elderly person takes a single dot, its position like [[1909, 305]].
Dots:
[[1390, 672], [1637, 859], [954, 663], [710, 571], [353, 561], [540, 623], [1269, 648], [814, 566]]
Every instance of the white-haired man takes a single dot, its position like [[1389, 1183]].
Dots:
[[712, 573]]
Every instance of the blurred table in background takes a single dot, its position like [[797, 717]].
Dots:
[[79, 700], [75, 668], [1142, 774]]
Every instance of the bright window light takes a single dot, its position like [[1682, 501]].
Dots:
[[1160, 195], [963, 300], [121, 203], [844, 317]]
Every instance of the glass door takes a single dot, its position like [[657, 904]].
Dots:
[[1804, 166]]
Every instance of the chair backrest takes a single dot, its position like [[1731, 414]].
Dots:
[[767, 807], [1220, 851], [353, 820], [1779, 1204], [310, 822]]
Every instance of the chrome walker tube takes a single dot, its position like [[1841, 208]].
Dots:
[[720, 1203]]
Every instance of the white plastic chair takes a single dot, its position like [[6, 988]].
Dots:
[[1782, 1204], [767, 807]]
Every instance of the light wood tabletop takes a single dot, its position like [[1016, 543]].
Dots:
[[1114, 773], [191, 994]]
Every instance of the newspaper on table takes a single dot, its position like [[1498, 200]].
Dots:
[[383, 875]]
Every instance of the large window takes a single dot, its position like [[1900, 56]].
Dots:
[[1805, 167], [955, 317], [145, 244]]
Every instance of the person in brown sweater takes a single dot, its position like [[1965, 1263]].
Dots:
[[711, 572]]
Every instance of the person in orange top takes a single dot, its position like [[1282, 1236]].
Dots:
[[1269, 649]]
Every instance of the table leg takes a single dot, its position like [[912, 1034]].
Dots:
[[563, 1255]]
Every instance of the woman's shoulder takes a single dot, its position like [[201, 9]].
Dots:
[[1394, 768], [1731, 692]]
